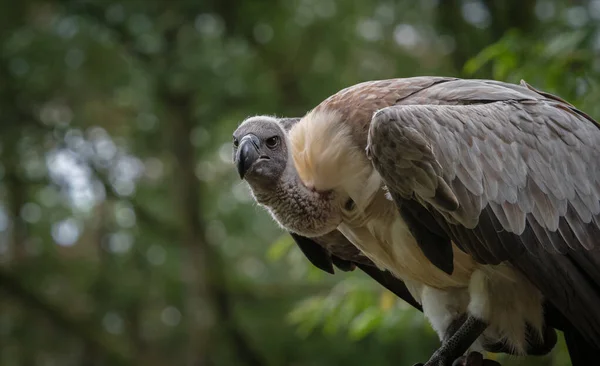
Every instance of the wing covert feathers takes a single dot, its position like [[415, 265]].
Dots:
[[529, 163], [523, 167]]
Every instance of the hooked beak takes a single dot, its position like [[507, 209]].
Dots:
[[247, 154]]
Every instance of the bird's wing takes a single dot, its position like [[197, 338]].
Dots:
[[346, 257], [510, 175], [316, 254]]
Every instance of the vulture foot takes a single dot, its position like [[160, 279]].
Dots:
[[472, 359], [455, 346]]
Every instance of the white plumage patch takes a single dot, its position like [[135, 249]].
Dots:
[[326, 157], [442, 306], [507, 300]]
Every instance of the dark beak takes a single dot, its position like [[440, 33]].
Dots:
[[247, 154]]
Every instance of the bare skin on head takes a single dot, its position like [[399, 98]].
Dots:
[[261, 154]]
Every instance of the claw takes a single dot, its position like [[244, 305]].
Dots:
[[474, 359], [442, 360]]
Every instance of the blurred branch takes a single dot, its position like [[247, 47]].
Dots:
[[115, 352]]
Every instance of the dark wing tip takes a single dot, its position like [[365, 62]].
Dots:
[[432, 241], [393, 284], [445, 265], [316, 254], [343, 265]]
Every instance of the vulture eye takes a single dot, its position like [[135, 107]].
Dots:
[[235, 142], [349, 205], [272, 142]]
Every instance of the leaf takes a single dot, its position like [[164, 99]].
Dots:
[[365, 323], [387, 300], [333, 320], [564, 44], [280, 247], [488, 54], [307, 315]]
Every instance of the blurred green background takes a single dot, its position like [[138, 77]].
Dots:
[[126, 237]]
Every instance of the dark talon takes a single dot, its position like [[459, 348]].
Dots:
[[474, 359], [459, 361], [491, 363], [458, 343]]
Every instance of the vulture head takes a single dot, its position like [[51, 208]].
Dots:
[[262, 155], [260, 151]]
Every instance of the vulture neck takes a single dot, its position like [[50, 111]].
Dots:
[[296, 207]]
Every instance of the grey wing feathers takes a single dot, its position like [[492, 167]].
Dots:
[[530, 161], [524, 168]]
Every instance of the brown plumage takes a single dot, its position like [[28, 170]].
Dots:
[[507, 173]]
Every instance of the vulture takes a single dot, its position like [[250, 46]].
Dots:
[[482, 196], [262, 140], [262, 157]]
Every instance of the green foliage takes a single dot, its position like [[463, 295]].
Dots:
[[280, 247], [568, 59], [126, 236]]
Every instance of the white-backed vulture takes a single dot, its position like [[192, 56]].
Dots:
[[477, 205]]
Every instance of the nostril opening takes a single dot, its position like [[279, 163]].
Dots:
[[265, 157], [349, 206]]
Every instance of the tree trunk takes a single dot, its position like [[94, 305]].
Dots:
[[198, 312]]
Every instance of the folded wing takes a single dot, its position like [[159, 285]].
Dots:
[[509, 174]]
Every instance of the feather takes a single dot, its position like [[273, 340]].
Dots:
[[524, 200], [444, 197], [581, 208], [568, 235], [516, 217], [579, 228], [543, 210], [541, 234]]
